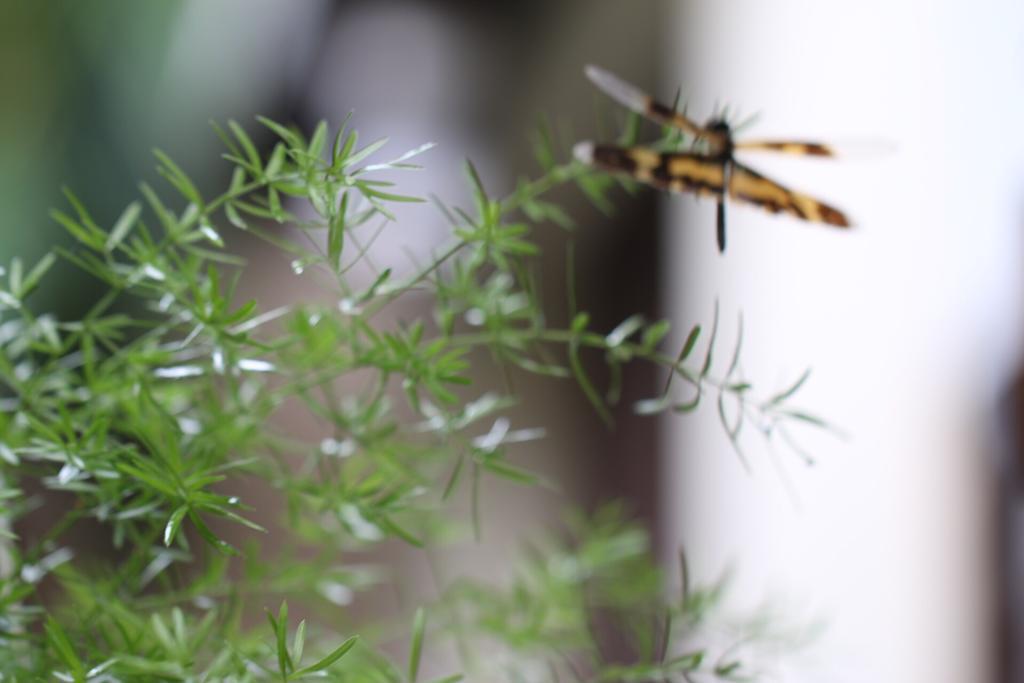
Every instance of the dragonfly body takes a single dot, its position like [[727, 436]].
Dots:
[[711, 170]]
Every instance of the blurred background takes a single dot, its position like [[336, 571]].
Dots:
[[906, 537]]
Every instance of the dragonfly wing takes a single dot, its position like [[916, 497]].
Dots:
[[814, 149], [636, 100], [747, 185], [672, 171], [848, 149]]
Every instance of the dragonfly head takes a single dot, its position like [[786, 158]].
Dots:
[[719, 137], [718, 126]]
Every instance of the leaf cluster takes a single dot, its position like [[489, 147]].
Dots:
[[142, 416]]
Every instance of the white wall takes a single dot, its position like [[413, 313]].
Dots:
[[911, 322]]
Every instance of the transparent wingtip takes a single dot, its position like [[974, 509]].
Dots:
[[619, 90], [863, 148]]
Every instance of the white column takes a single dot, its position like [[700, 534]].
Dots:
[[910, 322]]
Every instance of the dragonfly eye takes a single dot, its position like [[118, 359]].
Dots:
[[718, 126]]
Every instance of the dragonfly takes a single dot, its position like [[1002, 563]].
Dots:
[[710, 167]]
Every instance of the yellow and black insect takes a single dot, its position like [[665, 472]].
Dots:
[[707, 170]]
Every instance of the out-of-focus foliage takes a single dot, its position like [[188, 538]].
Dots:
[[138, 424], [72, 104], [593, 607]]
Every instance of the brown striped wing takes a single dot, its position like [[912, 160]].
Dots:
[[705, 176], [672, 171], [814, 149], [747, 185]]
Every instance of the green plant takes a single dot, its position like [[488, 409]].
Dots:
[[140, 417]]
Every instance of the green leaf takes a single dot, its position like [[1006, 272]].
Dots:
[[343, 149], [123, 226], [224, 138], [178, 179], [388, 197], [479, 193], [689, 662], [624, 330], [208, 536], [549, 369], [594, 188], [238, 177], [399, 163], [31, 281], [806, 417], [576, 365], [299, 642], [290, 137], [363, 153], [274, 202], [234, 218], [544, 146], [280, 627], [319, 139], [330, 659], [392, 527], [655, 333], [60, 643], [736, 352], [151, 479], [336, 234], [277, 158], [419, 626], [729, 669], [652, 406], [580, 322], [83, 215], [538, 211], [787, 393], [81, 233], [510, 472], [711, 345], [174, 523], [690, 405], [163, 214], [237, 518], [243, 138], [691, 341], [453, 478], [731, 430]]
